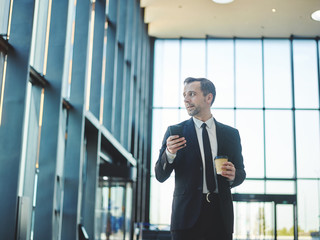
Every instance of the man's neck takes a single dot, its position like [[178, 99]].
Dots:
[[205, 117]]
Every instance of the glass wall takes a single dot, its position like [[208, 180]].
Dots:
[[269, 90]]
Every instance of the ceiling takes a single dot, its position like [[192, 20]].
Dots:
[[241, 18]]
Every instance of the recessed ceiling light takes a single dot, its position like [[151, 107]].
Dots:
[[316, 15], [273, 10], [222, 1]]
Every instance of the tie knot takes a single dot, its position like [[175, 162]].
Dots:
[[203, 125]]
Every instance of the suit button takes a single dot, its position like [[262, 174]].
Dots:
[[200, 168], [199, 188]]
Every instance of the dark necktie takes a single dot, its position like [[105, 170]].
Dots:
[[211, 184]]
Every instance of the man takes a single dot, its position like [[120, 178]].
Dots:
[[202, 207]]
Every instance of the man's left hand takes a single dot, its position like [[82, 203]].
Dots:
[[228, 171]]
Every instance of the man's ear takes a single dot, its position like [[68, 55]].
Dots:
[[209, 98]]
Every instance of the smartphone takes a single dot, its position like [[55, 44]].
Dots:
[[176, 130]]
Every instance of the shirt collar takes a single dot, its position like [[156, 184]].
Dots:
[[209, 122]]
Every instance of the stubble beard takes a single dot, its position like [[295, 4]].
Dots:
[[193, 112]]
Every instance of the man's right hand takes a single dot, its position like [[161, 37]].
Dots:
[[174, 143]]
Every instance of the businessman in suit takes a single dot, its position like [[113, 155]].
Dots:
[[202, 207]]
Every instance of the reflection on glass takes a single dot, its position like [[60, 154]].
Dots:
[[277, 74], [67, 70], [308, 208], [4, 16], [111, 215], [279, 144], [253, 220], [305, 74], [248, 73], [167, 87], [3, 65], [307, 144], [40, 35], [285, 222], [250, 126], [220, 68]]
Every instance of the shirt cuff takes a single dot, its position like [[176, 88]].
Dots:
[[170, 156]]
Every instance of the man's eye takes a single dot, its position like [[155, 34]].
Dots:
[[192, 94]]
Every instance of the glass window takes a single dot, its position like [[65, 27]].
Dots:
[[162, 194], [308, 142], [4, 16], [285, 221], [277, 74], [254, 220], [67, 69], [305, 74], [280, 187], [3, 60], [162, 118], [250, 126], [225, 116], [279, 144], [40, 35], [248, 73], [220, 68], [308, 209], [193, 61], [167, 86], [250, 186]]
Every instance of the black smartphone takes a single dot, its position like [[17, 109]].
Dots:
[[176, 130]]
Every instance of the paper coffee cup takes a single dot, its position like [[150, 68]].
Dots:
[[219, 161]]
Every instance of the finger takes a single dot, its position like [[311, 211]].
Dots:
[[175, 142], [176, 146]]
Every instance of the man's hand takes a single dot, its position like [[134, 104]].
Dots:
[[174, 143], [228, 171]]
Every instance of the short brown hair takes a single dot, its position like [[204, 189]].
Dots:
[[206, 86]]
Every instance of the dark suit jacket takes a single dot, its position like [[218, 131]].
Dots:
[[188, 169]]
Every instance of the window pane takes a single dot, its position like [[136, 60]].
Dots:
[[192, 61], [221, 71], [308, 142], [4, 16], [167, 87], [279, 144], [39, 34], [2, 66], [285, 221], [250, 186], [161, 195], [162, 118], [277, 73], [248, 73], [305, 74], [253, 220], [224, 116], [250, 126], [280, 187], [308, 210]]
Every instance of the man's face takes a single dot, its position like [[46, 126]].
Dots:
[[196, 104]]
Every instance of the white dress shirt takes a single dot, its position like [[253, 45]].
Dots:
[[211, 128]]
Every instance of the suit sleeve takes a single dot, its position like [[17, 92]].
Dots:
[[238, 160], [163, 168]]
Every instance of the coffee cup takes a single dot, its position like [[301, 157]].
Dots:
[[219, 161]]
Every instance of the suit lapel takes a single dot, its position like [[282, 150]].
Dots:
[[192, 138], [220, 137]]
